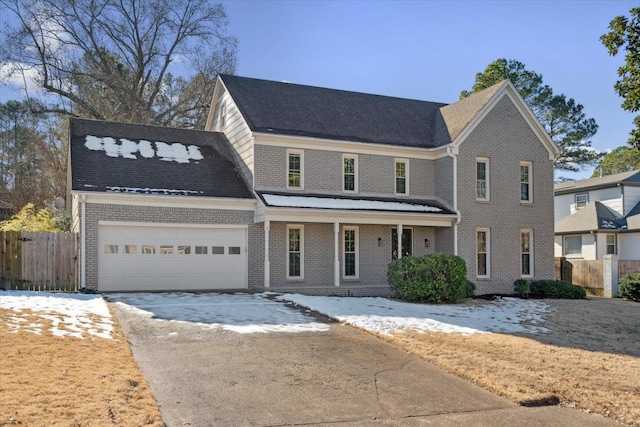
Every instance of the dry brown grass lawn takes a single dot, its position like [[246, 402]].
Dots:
[[47, 380], [528, 372]]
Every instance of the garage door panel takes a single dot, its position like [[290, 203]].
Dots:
[[138, 257]]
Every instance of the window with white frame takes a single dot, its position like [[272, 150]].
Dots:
[[350, 253], [295, 169], [482, 178], [572, 245], [482, 252], [526, 253], [295, 251], [581, 200], [222, 115], [350, 172], [402, 176], [526, 181], [611, 244]]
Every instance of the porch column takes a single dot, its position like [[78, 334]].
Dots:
[[267, 264], [336, 254], [399, 242]]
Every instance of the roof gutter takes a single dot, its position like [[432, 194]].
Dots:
[[452, 151]]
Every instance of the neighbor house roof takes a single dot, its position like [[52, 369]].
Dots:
[[138, 159], [633, 218], [292, 109], [624, 178], [595, 216]]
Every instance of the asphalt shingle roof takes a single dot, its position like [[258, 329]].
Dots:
[[292, 109], [632, 177], [592, 217], [211, 170]]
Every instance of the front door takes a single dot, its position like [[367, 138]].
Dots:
[[407, 243]]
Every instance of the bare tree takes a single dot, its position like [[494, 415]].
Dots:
[[112, 59]]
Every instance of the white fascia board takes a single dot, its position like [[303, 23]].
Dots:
[[214, 104], [170, 225], [510, 91], [168, 201], [310, 143], [359, 217]]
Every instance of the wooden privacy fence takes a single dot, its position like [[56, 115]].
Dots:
[[39, 261], [594, 275]]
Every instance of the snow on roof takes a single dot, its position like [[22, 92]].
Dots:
[[136, 190], [125, 148], [352, 204]]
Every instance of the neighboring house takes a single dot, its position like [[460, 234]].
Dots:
[[332, 186], [598, 216]]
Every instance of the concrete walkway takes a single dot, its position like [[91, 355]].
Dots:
[[341, 377]]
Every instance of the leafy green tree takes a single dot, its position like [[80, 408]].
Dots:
[[622, 159], [624, 35], [111, 59], [29, 218], [562, 118]]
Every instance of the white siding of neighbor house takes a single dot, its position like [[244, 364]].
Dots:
[[631, 198], [564, 205], [610, 197], [237, 132], [629, 246], [557, 246]]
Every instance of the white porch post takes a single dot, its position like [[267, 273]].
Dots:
[[336, 252], [267, 264], [399, 242]]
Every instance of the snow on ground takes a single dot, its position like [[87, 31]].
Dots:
[[240, 312], [506, 315], [75, 315]]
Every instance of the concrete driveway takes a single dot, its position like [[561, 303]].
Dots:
[[209, 373]]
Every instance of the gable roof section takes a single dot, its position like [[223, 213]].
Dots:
[[624, 178], [633, 218], [139, 159], [595, 216], [299, 110]]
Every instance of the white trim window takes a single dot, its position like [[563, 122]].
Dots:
[[402, 176], [581, 200], [295, 251], [350, 253], [222, 115], [526, 182], [350, 173], [295, 169], [482, 179], [611, 248], [483, 253], [572, 245], [526, 253]]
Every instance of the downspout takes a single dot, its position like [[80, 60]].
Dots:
[[453, 153], [83, 241]]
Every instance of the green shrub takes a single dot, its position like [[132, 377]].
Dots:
[[548, 289], [629, 287], [435, 278], [470, 289]]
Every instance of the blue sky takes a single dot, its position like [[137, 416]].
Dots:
[[431, 50]]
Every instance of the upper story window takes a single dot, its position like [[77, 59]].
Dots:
[[482, 178], [402, 176], [295, 169], [611, 244], [222, 115], [350, 172], [581, 200], [526, 181]]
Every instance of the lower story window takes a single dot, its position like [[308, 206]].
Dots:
[[295, 254], [350, 253], [573, 245], [611, 244], [482, 252], [526, 252]]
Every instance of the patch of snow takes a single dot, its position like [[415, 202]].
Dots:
[[240, 312], [505, 315], [164, 191], [329, 203], [125, 148], [74, 315]]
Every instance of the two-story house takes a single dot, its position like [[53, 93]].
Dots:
[[328, 187], [598, 216]]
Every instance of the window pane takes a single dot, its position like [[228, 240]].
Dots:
[[400, 185], [294, 180], [400, 170], [294, 240], [217, 250], [482, 264], [482, 241], [234, 250], [201, 250], [524, 174], [294, 264], [184, 250], [349, 166], [573, 245], [481, 171], [110, 249], [349, 182], [481, 190], [166, 249], [526, 268], [524, 191], [350, 264], [130, 249], [349, 240], [148, 249], [525, 242], [294, 163]]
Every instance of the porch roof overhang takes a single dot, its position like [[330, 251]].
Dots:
[[351, 210]]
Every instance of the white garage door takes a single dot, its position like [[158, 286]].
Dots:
[[144, 258]]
